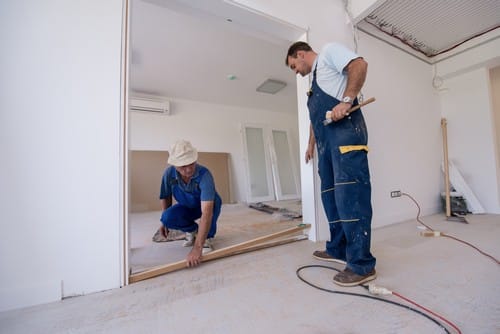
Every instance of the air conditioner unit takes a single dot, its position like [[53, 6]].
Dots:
[[149, 105]]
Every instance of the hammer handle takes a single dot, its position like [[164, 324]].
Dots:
[[364, 103], [370, 100]]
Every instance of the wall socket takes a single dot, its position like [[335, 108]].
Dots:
[[396, 193]]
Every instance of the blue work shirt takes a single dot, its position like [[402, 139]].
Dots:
[[200, 188]]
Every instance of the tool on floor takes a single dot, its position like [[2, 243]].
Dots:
[[247, 246], [328, 114], [450, 215], [430, 233], [284, 212]]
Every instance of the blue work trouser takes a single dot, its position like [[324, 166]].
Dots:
[[180, 217], [345, 193], [345, 181]]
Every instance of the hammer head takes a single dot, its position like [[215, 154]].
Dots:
[[328, 118]]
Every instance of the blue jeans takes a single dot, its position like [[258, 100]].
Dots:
[[180, 217]]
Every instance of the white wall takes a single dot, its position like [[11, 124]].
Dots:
[[403, 124], [466, 102], [361, 8], [210, 128], [60, 120], [495, 92], [322, 26], [466, 105], [404, 132], [60, 143]]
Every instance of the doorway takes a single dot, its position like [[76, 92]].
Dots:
[[167, 32]]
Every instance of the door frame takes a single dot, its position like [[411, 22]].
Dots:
[[307, 186]]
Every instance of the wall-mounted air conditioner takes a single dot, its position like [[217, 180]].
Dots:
[[152, 105]]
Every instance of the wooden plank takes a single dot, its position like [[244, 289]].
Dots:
[[452, 173], [146, 170], [216, 254], [446, 168], [270, 244], [218, 164]]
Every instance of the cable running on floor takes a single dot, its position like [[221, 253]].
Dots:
[[379, 299], [447, 235]]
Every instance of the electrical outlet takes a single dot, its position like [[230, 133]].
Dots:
[[396, 193]]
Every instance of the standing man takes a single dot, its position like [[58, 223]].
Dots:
[[338, 75], [193, 187]]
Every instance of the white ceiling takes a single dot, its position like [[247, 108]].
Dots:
[[186, 49], [182, 49]]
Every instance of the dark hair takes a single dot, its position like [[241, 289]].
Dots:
[[296, 47]]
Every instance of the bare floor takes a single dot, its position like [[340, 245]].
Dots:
[[259, 292], [237, 223]]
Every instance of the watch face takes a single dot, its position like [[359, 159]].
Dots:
[[347, 99]]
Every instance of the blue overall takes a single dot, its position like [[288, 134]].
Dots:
[[182, 216], [345, 181]]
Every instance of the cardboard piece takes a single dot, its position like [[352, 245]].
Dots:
[[146, 170]]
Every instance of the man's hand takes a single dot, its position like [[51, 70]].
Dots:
[[309, 153], [340, 111], [194, 257], [310, 144], [163, 231]]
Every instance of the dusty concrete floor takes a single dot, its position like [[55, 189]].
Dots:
[[237, 223], [259, 292]]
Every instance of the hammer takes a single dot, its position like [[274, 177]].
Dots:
[[328, 115]]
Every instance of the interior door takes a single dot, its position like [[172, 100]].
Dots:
[[285, 178], [271, 172], [259, 173]]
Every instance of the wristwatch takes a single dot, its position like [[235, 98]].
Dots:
[[348, 99]]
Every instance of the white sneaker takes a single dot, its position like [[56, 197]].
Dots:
[[207, 246], [189, 239]]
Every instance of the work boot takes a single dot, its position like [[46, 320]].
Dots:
[[190, 236], [350, 278], [207, 246], [324, 256]]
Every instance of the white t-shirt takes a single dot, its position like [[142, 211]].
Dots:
[[331, 62]]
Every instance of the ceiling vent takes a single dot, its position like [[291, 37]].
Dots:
[[151, 105], [271, 86]]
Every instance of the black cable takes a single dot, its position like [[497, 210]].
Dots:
[[363, 295]]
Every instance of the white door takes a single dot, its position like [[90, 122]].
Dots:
[[258, 161], [286, 183], [271, 172]]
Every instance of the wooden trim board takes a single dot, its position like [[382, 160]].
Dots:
[[246, 246]]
